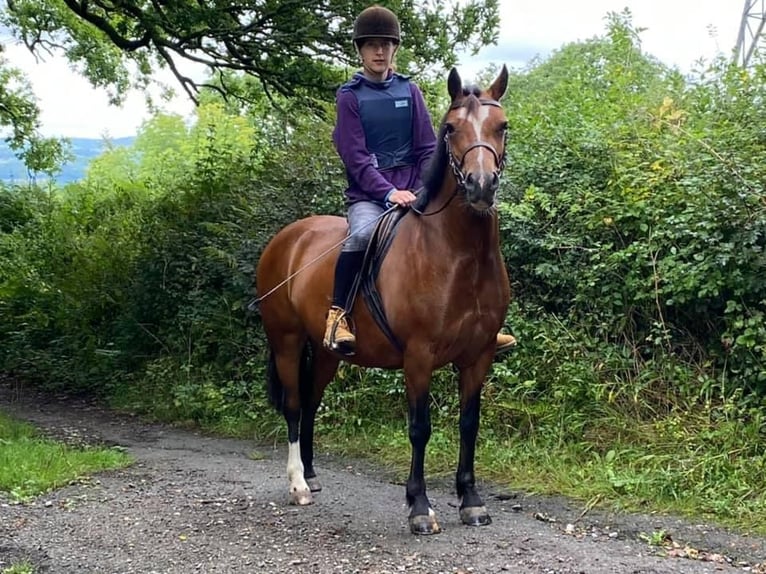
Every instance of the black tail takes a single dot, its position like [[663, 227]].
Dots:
[[275, 387], [276, 390]]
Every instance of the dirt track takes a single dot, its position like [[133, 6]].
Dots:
[[193, 503]]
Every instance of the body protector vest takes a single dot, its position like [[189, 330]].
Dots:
[[385, 110]]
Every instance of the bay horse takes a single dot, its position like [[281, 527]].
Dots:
[[444, 288]]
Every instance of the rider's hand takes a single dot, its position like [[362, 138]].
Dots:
[[402, 197]]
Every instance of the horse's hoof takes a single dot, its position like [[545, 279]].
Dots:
[[301, 497], [314, 484], [475, 516], [424, 525]]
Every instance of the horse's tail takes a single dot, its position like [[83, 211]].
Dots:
[[275, 387]]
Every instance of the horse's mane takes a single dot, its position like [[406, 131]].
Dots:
[[436, 170]]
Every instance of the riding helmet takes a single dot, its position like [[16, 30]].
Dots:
[[376, 22]]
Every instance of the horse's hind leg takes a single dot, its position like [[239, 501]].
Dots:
[[472, 509], [287, 356], [315, 376]]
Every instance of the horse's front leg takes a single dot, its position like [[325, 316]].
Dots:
[[308, 416], [299, 490], [422, 518], [472, 509]]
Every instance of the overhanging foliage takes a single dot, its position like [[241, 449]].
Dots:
[[293, 47]]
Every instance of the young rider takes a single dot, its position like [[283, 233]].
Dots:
[[384, 136]]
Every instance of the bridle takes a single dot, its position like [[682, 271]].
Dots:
[[457, 166]]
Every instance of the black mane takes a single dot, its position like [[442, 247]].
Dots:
[[433, 174]]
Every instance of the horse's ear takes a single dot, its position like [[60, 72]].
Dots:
[[498, 87], [454, 84]]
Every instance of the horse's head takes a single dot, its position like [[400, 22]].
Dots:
[[474, 131]]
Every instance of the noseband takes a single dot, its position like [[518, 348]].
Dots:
[[457, 166]]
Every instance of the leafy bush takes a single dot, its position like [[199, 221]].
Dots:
[[152, 256], [634, 215]]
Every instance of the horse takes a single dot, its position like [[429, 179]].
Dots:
[[443, 285]]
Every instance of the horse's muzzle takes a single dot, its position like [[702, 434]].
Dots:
[[481, 189]]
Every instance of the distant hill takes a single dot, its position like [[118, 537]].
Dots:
[[84, 150]]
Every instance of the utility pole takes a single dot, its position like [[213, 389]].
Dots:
[[750, 30]]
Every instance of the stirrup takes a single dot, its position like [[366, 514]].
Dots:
[[345, 348]]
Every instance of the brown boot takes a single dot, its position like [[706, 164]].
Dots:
[[504, 343], [338, 336]]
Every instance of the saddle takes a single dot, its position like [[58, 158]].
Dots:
[[380, 242]]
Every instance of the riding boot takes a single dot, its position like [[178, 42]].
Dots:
[[505, 343], [338, 334]]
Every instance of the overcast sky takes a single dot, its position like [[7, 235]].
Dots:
[[678, 32]]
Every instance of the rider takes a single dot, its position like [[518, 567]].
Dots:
[[384, 136]]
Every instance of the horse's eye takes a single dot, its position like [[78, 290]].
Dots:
[[449, 128], [502, 127]]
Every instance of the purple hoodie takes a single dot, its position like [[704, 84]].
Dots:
[[365, 181]]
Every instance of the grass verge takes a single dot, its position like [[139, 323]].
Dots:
[[31, 464]]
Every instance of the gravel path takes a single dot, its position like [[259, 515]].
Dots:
[[195, 503]]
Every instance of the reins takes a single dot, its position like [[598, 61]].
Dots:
[[442, 208], [254, 302]]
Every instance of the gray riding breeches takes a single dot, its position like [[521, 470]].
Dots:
[[361, 217]]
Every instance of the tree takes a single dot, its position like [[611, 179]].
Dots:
[[19, 112], [293, 47]]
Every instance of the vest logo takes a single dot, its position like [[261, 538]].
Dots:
[[400, 103]]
